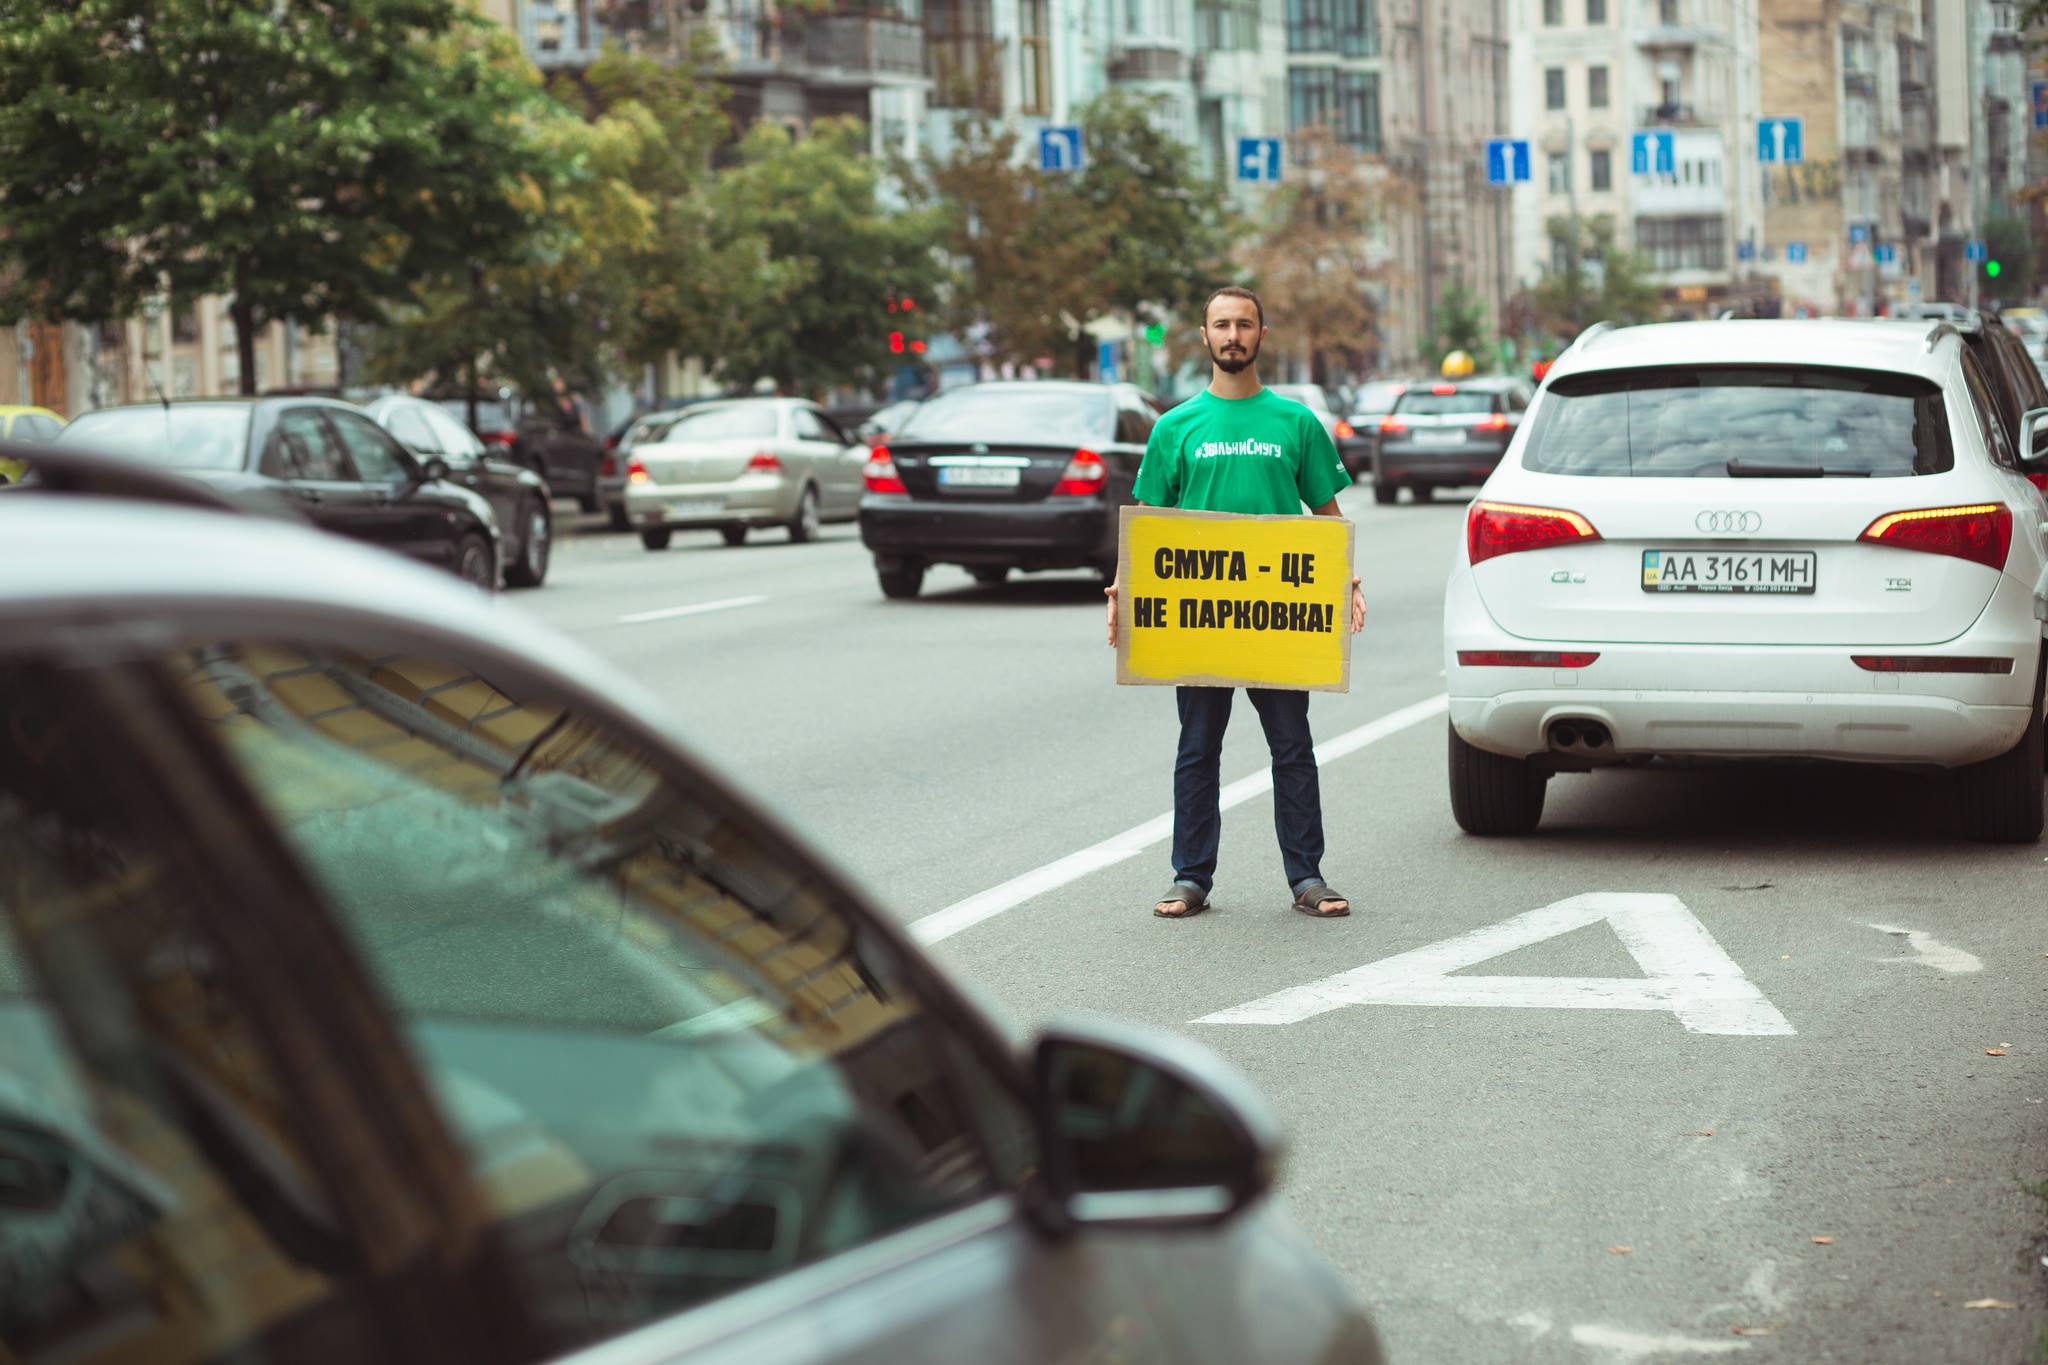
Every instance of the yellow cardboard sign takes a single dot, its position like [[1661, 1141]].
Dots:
[[1213, 599]]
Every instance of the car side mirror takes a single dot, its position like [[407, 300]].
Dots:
[[1141, 1128], [2034, 441], [431, 468]]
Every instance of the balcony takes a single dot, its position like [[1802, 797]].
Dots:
[[1913, 67], [865, 43], [1916, 139], [825, 49], [1136, 60], [1862, 83], [1677, 116]]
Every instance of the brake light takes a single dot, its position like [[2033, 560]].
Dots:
[[497, 438], [764, 463], [1084, 474], [636, 472], [1345, 431], [1523, 658], [1503, 528], [880, 472], [1389, 427], [1980, 533], [1930, 663], [609, 468], [1495, 422], [1441, 389]]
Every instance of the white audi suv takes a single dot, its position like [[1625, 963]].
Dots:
[[1755, 540]]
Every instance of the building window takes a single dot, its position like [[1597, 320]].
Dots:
[[1560, 174], [1553, 13], [1347, 27], [1034, 59], [1227, 25], [1596, 11], [962, 52], [1683, 243], [1602, 166], [1667, 11], [1596, 87], [1311, 91], [1553, 88], [1358, 110]]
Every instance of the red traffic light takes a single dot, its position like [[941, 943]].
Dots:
[[917, 348], [910, 305], [896, 343]]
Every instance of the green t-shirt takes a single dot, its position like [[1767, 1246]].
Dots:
[[1265, 455]]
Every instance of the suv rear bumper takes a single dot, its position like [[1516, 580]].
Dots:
[[1058, 533]]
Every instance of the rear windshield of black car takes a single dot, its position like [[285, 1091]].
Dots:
[[1052, 415], [1423, 403], [491, 415], [183, 436], [1690, 422]]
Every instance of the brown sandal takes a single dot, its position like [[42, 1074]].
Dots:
[[1193, 897], [1311, 899]]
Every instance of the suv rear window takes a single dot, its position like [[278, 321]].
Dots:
[[1688, 422], [1426, 403]]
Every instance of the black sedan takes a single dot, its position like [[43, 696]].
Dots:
[[1002, 476], [518, 496], [1444, 435], [322, 458]]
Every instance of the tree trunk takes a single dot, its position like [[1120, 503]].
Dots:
[[469, 386], [245, 342], [1084, 353]]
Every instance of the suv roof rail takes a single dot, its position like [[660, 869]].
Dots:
[[1588, 337], [1937, 332]]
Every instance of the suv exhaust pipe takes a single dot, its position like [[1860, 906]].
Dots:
[[1580, 738]]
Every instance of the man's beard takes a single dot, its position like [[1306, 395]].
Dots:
[[1232, 363]]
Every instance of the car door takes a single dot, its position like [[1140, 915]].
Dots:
[[700, 1090], [469, 466], [834, 465], [421, 518], [306, 456]]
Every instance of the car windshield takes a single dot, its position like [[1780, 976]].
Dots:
[[1310, 394], [737, 421], [1378, 397], [183, 436], [1056, 415], [491, 414], [1687, 422], [1429, 403]]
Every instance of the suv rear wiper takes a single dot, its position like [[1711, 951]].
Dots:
[[1743, 469]]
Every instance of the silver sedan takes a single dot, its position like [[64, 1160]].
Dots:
[[739, 464]]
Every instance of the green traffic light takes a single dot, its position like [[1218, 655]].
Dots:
[[1992, 268], [1156, 334]]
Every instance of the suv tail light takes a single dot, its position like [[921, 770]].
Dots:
[[1497, 421], [1502, 528], [1980, 533], [1084, 474], [1345, 431], [764, 463], [1390, 427], [880, 472], [636, 472], [497, 438]]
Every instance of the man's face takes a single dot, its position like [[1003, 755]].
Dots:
[[1232, 334]]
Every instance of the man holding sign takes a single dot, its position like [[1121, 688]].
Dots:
[[1237, 447]]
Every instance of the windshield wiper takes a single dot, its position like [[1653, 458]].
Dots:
[[1744, 469]]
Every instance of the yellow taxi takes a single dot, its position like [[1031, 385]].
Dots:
[[25, 424]]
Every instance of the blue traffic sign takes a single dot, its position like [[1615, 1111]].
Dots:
[[1859, 233], [1974, 250], [1258, 159], [1884, 253], [1745, 251], [1654, 152], [2041, 104], [1795, 253], [1105, 362], [1507, 160], [1781, 139], [1059, 149]]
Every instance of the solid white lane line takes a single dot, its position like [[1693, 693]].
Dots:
[[694, 609], [941, 924]]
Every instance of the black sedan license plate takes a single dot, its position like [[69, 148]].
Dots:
[[1784, 571]]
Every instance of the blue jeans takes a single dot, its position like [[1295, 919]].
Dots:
[[1297, 794]]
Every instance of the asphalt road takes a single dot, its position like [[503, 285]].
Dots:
[[1829, 1168]]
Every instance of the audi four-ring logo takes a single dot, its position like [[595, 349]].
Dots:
[[1729, 521]]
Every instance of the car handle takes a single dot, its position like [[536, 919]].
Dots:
[[308, 494]]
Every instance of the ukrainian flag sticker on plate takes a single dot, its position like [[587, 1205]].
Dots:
[[1652, 563]]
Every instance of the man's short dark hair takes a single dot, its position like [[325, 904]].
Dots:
[[1234, 291]]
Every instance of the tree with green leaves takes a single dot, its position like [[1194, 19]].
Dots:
[[831, 256], [1460, 323], [1619, 289], [309, 159]]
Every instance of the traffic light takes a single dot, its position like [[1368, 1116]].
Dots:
[[1992, 268], [1156, 334], [896, 343]]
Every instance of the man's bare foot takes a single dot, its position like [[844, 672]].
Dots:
[[1318, 901], [1180, 902]]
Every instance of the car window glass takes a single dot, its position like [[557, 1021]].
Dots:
[[1684, 421], [1995, 444], [411, 429], [2003, 401], [377, 457], [302, 447], [34, 427], [131, 1228], [735, 421], [1048, 412], [680, 1063], [459, 445], [834, 432], [1449, 403], [808, 426], [180, 436], [1132, 426]]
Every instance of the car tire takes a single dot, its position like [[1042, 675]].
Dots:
[[475, 564], [733, 535], [536, 546], [991, 576], [1386, 493], [656, 537], [1491, 794], [900, 581], [803, 523], [619, 520], [2001, 798]]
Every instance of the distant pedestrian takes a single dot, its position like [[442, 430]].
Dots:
[[1235, 413]]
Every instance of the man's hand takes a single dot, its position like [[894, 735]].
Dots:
[[1110, 593], [1357, 608]]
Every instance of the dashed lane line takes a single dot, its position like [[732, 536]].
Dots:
[[694, 609]]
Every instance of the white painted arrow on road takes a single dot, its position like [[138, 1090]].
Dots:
[[1684, 971]]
